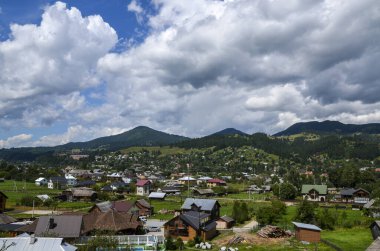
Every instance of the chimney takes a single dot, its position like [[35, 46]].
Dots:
[[51, 223], [32, 239]]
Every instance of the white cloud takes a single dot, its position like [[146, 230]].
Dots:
[[15, 141], [40, 64], [135, 7]]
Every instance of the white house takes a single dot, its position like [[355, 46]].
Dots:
[[41, 181], [71, 180], [143, 187]]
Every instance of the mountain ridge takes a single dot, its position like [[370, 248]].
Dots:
[[329, 127]]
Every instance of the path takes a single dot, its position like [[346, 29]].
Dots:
[[246, 228]]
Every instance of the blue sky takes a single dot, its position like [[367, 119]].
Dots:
[[78, 70]]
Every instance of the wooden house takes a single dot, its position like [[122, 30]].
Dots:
[[352, 195], [314, 192], [307, 232], [3, 201], [189, 225]]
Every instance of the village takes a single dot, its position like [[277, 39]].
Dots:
[[148, 210]]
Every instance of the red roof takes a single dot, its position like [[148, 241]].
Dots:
[[216, 181], [142, 183]]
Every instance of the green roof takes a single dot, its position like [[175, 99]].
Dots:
[[321, 189]]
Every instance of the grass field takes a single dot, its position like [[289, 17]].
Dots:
[[354, 239], [15, 190]]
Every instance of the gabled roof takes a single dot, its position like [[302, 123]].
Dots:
[[84, 183], [194, 218], [6, 219], [143, 203], [203, 204], [186, 178], [226, 218], [216, 181], [58, 179], [24, 243], [347, 191], [306, 226], [110, 221], [321, 189], [65, 226], [206, 191], [156, 195], [142, 183], [3, 194]]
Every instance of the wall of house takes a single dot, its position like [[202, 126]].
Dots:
[[221, 225], [209, 235], [308, 235]]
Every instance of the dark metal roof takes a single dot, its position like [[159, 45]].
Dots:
[[227, 218], [194, 218], [306, 226], [143, 203], [203, 204], [65, 226]]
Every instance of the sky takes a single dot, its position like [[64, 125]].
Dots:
[[76, 70]]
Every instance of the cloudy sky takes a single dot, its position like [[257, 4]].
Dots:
[[74, 71]]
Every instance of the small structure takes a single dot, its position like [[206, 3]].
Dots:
[[80, 193], [143, 187], [307, 232], [43, 197], [216, 183], [57, 182], [118, 206], [41, 181], [314, 192], [3, 201], [145, 209], [27, 242], [85, 183], [203, 192], [157, 196], [70, 180], [225, 222], [171, 189]]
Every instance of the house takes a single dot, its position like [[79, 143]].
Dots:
[[375, 229], [85, 183], [70, 180], [80, 193], [203, 192], [3, 201], [216, 183], [171, 189], [360, 196], [188, 181], [157, 196], [26, 242], [307, 232], [314, 192], [118, 206], [41, 181], [203, 180], [143, 187], [208, 206], [189, 225], [62, 226], [112, 221], [79, 173], [145, 209], [43, 197], [225, 222], [57, 182]]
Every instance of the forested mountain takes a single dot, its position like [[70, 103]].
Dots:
[[330, 127], [229, 131], [139, 136]]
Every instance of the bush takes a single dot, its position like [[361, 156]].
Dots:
[[27, 201]]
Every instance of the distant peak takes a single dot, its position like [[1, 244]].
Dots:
[[229, 131]]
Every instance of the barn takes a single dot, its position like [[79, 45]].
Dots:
[[307, 232]]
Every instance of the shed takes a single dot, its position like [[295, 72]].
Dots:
[[225, 222], [157, 196], [307, 232], [375, 229]]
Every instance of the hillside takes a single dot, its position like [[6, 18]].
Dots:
[[330, 127]]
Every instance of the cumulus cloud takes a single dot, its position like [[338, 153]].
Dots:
[[18, 140], [40, 64], [203, 66]]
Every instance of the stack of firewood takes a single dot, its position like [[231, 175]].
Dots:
[[272, 232], [235, 240]]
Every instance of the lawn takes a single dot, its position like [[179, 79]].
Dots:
[[15, 190], [358, 238]]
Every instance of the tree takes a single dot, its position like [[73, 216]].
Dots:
[[285, 191], [305, 212], [271, 214]]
